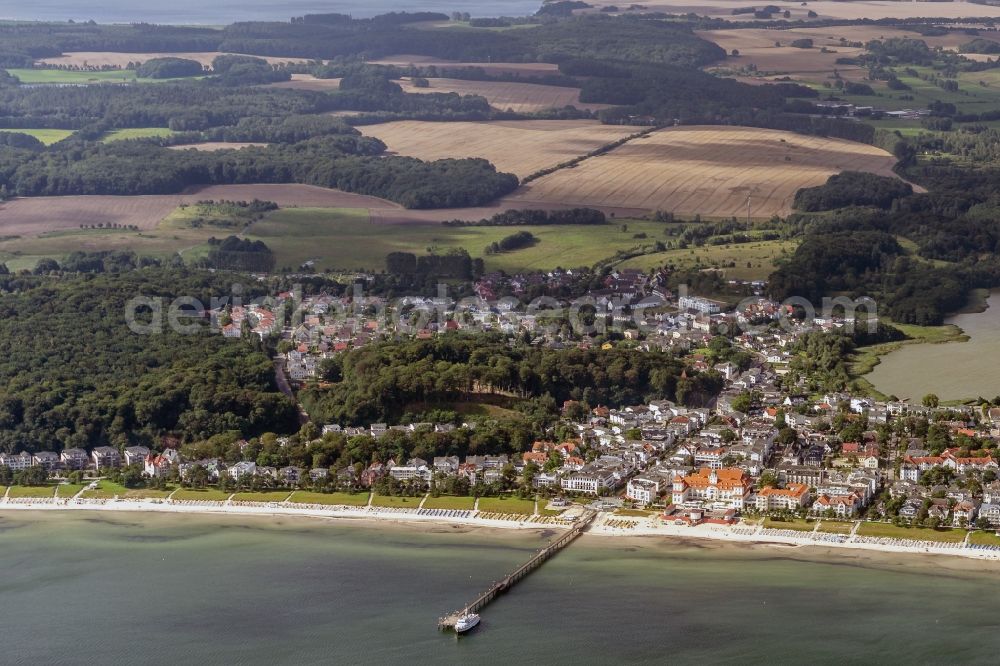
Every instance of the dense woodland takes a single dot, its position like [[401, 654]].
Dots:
[[384, 381], [73, 374]]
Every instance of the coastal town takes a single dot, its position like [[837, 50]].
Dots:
[[768, 459]]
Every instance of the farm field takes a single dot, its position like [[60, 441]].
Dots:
[[218, 145], [504, 95], [745, 261], [861, 9], [346, 239], [307, 82], [706, 170], [113, 59], [46, 136], [521, 147], [524, 69], [136, 133]]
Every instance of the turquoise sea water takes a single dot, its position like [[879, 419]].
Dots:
[[107, 588], [223, 12]]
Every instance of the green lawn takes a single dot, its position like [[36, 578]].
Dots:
[[268, 496], [507, 505], [345, 239], [136, 133], [797, 524], [69, 489], [744, 261], [634, 513], [32, 491], [985, 539], [204, 495], [448, 502], [338, 499], [919, 533], [108, 490], [397, 502], [836, 527], [46, 136]]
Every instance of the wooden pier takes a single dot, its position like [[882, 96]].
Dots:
[[507, 582]]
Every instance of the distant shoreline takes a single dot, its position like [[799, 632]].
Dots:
[[804, 542]]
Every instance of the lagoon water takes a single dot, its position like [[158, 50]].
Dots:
[[161, 589], [223, 12], [952, 370]]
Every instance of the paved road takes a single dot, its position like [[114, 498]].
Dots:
[[285, 387]]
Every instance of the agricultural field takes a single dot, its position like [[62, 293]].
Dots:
[[521, 147], [137, 133], [211, 146], [711, 171], [744, 261], [524, 69], [825, 9], [308, 82], [46, 136], [505, 95], [346, 239], [113, 59]]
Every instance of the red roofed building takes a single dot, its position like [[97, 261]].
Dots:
[[729, 486], [791, 498]]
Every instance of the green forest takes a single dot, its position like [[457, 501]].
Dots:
[[73, 374]]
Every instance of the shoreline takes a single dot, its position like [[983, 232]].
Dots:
[[607, 526]]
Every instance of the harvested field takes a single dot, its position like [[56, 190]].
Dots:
[[307, 82], [706, 170], [218, 145], [870, 9], [108, 58], [521, 147], [526, 69], [32, 216], [518, 97]]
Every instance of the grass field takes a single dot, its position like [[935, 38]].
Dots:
[[448, 502], [397, 502], [836, 527], [507, 505], [108, 490], [204, 495], [505, 95], [797, 524], [33, 492], [345, 239], [122, 59], [268, 496], [744, 261], [46, 136], [136, 133], [919, 533], [521, 147], [984, 539], [706, 170], [69, 489], [339, 499]]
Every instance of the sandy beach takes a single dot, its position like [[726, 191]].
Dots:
[[804, 545]]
